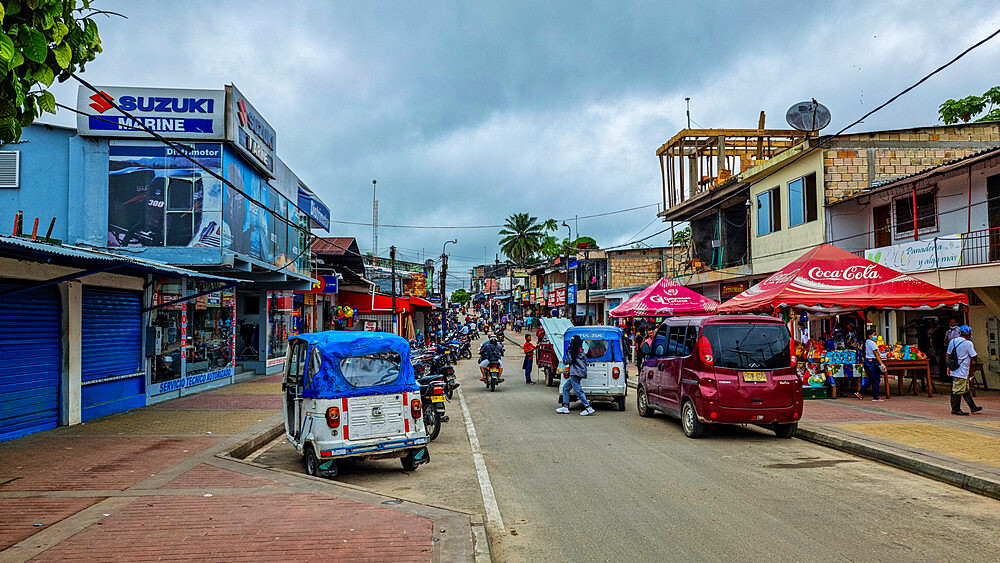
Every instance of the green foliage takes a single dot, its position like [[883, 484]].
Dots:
[[522, 237], [682, 237], [40, 40], [460, 296], [589, 242], [953, 111]]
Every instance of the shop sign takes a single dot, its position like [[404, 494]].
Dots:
[[213, 300], [276, 362], [919, 255], [557, 297], [571, 294], [314, 208], [192, 380], [730, 290], [370, 326], [171, 112], [162, 297], [518, 273], [324, 284], [282, 302], [249, 132], [309, 299]]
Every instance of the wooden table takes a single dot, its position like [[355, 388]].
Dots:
[[908, 368]]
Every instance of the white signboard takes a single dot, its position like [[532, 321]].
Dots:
[[919, 255], [173, 113]]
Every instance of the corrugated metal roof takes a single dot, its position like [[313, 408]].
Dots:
[[28, 249]]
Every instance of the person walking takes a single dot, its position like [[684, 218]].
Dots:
[[529, 349], [576, 359], [960, 354], [874, 366]]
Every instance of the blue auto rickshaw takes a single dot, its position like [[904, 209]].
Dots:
[[602, 346], [352, 394]]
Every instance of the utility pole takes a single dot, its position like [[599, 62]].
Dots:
[[444, 283], [688, 102], [496, 274], [566, 292], [392, 261], [374, 222]]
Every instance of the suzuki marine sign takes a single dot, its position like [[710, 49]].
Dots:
[[171, 112], [248, 131]]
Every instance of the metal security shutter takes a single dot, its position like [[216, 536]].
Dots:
[[29, 362], [112, 334]]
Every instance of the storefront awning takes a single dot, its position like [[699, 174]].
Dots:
[[827, 278], [421, 302], [368, 303], [79, 257], [665, 298]]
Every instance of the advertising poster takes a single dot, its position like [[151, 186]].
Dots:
[[157, 197], [245, 225], [940, 252]]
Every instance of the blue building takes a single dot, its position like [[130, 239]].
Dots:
[[213, 201]]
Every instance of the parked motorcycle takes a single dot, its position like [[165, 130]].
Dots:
[[432, 400]]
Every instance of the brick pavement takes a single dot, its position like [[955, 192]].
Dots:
[[119, 488]]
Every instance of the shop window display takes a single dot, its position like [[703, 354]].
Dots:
[[281, 316], [210, 331], [166, 332]]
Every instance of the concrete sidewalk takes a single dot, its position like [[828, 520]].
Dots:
[[915, 433], [155, 483]]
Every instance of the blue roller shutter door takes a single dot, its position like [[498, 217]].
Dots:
[[29, 362], [112, 354]]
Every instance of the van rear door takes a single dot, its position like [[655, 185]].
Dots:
[[752, 364]]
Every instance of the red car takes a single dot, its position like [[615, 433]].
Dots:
[[734, 369]]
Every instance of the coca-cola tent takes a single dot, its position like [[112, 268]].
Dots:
[[665, 298], [830, 279]]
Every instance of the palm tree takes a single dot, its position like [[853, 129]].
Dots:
[[522, 237]]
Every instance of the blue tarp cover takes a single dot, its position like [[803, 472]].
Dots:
[[337, 345]]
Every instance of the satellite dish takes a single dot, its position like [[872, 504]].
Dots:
[[808, 116]]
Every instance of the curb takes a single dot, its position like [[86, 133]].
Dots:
[[913, 462], [481, 546]]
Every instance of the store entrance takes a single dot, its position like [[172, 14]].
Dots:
[[248, 327]]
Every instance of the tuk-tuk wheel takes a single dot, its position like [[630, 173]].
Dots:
[[318, 468], [621, 403]]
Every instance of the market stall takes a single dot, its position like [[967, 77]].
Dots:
[[826, 282], [665, 298]]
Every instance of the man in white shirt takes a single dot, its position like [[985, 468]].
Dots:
[[963, 349]]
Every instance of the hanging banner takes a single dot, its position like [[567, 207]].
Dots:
[[919, 255]]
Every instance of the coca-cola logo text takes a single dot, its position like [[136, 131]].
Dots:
[[852, 273]]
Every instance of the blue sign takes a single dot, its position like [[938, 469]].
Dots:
[[571, 294], [314, 208], [329, 284], [192, 380]]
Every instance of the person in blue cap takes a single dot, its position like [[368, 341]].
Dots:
[[960, 355]]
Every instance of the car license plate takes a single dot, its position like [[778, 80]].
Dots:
[[755, 376], [438, 398]]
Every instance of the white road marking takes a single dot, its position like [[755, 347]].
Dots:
[[493, 518]]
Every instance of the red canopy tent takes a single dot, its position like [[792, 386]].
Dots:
[[665, 298], [829, 279]]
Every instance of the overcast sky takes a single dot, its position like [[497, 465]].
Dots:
[[468, 112]]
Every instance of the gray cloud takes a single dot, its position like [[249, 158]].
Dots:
[[467, 112]]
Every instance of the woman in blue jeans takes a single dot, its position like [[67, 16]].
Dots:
[[577, 362], [874, 368]]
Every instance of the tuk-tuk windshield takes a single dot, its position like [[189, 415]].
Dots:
[[371, 370]]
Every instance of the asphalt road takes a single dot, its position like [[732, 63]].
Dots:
[[616, 486]]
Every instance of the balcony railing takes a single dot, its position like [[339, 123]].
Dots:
[[978, 247]]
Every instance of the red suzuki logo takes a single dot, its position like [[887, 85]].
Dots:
[[242, 113], [102, 102]]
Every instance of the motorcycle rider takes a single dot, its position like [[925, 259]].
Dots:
[[491, 351]]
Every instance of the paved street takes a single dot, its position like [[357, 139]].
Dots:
[[616, 486]]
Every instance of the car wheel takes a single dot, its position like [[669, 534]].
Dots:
[[621, 403], [693, 428], [786, 430], [642, 402]]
